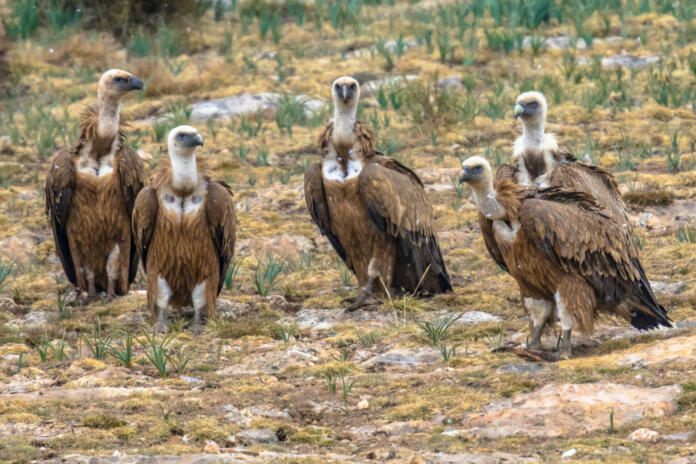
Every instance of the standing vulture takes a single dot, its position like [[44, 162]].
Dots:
[[373, 209], [90, 193], [184, 225], [565, 252]]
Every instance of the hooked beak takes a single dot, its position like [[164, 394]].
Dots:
[[133, 83], [519, 110], [344, 92], [197, 141], [466, 175]]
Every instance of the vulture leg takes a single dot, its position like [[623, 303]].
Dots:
[[198, 297], [112, 271], [539, 311], [565, 316], [163, 295], [91, 287], [565, 349], [365, 298]]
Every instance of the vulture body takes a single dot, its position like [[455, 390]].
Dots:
[[566, 254], [89, 196], [373, 209], [184, 225]]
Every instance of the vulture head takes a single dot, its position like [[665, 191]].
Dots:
[[115, 83], [183, 140], [476, 172], [531, 108], [346, 92]]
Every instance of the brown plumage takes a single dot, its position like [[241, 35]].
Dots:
[[565, 253], [185, 231], [89, 196], [373, 209]]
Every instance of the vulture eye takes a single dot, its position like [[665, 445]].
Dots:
[[352, 86], [477, 169], [180, 136], [533, 105], [117, 79]]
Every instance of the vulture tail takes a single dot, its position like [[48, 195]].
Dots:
[[649, 314]]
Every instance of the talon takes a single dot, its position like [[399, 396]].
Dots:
[[196, 328], [365, 299]]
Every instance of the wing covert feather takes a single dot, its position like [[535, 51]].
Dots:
[[222, 221], [58, 194]]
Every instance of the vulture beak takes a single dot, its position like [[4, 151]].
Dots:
[[133, 83], [519, 110], [466, 175], [192, 140], [344, 92], [198, 140]]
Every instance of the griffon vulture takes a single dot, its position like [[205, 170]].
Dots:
[[539, 162], [565, 253], [90, 192], [184, 225], [373, 209]]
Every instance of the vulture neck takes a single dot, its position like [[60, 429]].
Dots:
[[109, 118], [344, 126], [487, 202], [184, 172], [533, 135]]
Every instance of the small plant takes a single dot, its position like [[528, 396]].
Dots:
[[343, 357], [346, 275], [99, 345], [291, 111], [42, 346], [346, 385], [25, 19], [124, 350], [437, 331], [179, 359], [58, 349], [232, 272], [243, 152], [63, 309], [496, 341], [460, 188], [156, 351], [330, 381], [687, 235], [447, 353], [283, 331], [159, 129], [267, 271], [386, 53], [611, 422], [367, 339], [20, 362], [6, 268]]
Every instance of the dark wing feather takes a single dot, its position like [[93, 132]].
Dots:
[[144, 219], [506, 171], [131, 176], [319, 208], [570, 229], [397, 204], [222, 222], [60, 185], [595, 181]]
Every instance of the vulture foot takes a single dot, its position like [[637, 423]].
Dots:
[[196, 328], [160, 327], [365, 299]]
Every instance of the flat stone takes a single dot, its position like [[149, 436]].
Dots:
[[644, 435], [629, 61], [476, 458], [273, 361], [257, 436], [246, 104], [520, 368], [405, 357], [230, 456], [244, 417], [686, 436], [34, 320], [314, 319], [81, 394], [669, 288], [562, 410], [451, 82], [371, 88]]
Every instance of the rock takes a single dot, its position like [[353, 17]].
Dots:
[[476, 317], [683, 460], [85, 395], [686, 436], [211, 447], [257, 436], [19, 248], [363, 404], [34, 320], [452, 82], [272, 361], [645, 435], [390, 45], [629, 61], [371, 88], [679, 350], [246, 104], [287, 247], [405, 357], [246, 416], [562, 410], [8, 305], [669, 288], [227, 309], [322, 319], [190, 379], [569, 454], [479, 458], [520, 368]]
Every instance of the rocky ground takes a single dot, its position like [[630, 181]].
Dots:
[[290, 377]]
